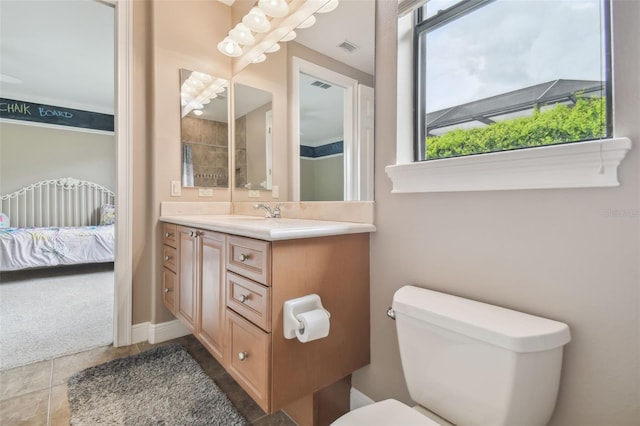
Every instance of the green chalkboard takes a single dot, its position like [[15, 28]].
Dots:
[[41, 113]]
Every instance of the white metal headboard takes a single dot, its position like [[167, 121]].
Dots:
[[56, 202]]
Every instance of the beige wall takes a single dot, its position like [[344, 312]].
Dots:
[[322, 179], [29, 154], [168, 35], [553, 253]]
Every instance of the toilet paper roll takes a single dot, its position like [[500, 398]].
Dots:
[[316, 325]]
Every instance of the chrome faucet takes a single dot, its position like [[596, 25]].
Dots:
[[275, 213]]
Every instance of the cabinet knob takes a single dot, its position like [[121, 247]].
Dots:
[[244, 298], [167, 290], [242, 356], [168, 257], [243, 257], [168, 234]]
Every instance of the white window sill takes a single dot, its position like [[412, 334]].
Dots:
[[576, 165]]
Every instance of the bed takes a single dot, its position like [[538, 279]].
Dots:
[[63, 221]]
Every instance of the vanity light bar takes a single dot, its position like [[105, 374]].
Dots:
[[266, 24]]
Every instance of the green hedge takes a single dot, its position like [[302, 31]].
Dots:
[[585, 120]]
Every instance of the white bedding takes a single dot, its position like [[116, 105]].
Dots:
[[22, 248]]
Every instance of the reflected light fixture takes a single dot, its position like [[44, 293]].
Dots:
[[242, 34], [273, 48], [329, 7], [260, 58], [308, 22], [274, 8], [229, 47], [257, 20], [290, 36], [198, 90]]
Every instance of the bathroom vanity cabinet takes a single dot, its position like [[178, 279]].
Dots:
[[229, 290]]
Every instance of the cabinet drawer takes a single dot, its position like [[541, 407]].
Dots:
[[168, 289], [249, 357], [250, 258], [169, 234], [249, 299], [169, 257]]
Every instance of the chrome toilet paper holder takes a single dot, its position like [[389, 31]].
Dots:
[[297, 306]]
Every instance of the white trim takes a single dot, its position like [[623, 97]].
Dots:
[[167, 331], [350, 86], [56, 126], [140, 332], [357, 399], [323, 157], [573, 165], [122, 320], [156, 333], [576, 165]]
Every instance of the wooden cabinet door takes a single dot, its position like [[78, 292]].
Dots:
[[168, 289], [210, 328], [187, 276]]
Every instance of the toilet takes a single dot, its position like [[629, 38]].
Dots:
[[469, 363]]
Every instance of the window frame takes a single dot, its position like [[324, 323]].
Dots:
[[591, 163]]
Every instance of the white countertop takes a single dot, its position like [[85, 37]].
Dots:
[[267, 228]]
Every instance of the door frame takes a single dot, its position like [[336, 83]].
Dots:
[[122, 318], [350, 86]]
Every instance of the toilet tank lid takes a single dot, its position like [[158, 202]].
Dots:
[[512, 330]]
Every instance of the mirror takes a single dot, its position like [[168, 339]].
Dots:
[[253, 115], [341, 42], [332, 106], [204, 130]]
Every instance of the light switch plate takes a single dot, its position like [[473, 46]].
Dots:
[[205, 192], [254, 194], [176, 189], [275, 191]]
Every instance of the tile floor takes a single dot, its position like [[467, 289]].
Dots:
[[36, 394]]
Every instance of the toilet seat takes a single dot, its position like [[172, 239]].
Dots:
[[388, 412]]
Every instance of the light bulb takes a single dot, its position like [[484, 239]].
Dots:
[[330, 6], [289, 36], [197, 112], [242, 34], [229, 47], [273, 48], [274, 8], [256, 20], [260, 58], [308, 22]]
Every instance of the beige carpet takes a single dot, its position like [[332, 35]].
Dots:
[[47, 313]]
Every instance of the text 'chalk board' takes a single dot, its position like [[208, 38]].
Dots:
[[40, 113]]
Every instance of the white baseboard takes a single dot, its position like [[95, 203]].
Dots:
[[358, 399], [156, 333], [140, 332]]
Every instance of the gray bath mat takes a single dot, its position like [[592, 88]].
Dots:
[[162, 386]]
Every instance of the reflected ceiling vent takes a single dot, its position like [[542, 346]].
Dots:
[[321, 84], [348, 46]]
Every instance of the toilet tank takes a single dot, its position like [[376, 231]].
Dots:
[[477, 364]]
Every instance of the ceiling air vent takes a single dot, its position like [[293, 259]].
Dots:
[[321, 84], [348, 46]]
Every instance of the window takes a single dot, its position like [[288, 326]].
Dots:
[[498, 75], [492, 71]]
